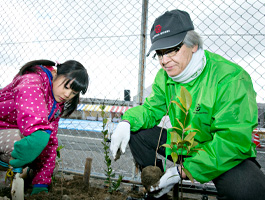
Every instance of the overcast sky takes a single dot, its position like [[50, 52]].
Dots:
[[105, 37]]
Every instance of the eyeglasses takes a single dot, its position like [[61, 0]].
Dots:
[[169, 53]]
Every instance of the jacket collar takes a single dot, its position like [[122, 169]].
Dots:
[[49, 74]]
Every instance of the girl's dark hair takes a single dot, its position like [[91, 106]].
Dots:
[[71, 70]]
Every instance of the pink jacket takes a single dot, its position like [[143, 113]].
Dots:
[[27, 104]]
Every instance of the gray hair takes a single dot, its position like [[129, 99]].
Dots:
[[192, 38]]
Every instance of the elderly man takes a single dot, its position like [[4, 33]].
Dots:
[[224, 109]]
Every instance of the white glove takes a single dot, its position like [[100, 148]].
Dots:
[[166, 182], [120, 138]]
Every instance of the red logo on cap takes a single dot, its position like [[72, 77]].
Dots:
[[158, 28]]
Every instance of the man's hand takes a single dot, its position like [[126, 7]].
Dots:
[[120, 138], [166, 182], [29, 148]]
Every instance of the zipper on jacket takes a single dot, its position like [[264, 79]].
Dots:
[[49, 74]]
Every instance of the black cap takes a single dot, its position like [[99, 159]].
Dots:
[[170, 29]]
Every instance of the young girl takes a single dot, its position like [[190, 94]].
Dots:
[[31, 106]]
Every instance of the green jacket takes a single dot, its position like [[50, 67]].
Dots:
[[223, 108]]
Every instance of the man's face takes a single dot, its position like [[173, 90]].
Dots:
[[175, 64]]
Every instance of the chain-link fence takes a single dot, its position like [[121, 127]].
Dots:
[[110, 38]]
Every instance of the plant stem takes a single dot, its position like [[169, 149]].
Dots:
[[162, 129], [112, 185]]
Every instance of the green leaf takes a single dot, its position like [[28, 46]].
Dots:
[[177, 128], [60, 147], [174, 156], [181, 125], [58, 153], [191, 143], [105, 120], [102, 107], [191, 129], [166, 145], [194, 144], [175, 138], [182, 101], [188, 174], [187, 128], [190, 136], [179, 106], [184, 93], [194, 129]]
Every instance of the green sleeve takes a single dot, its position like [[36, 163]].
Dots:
[[29, 148], [235, 115], [152, 111]]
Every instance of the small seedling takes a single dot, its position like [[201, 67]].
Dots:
[[111, 183], [182, 137], [57, 162]]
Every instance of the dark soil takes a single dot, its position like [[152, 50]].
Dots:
[[71, 187]]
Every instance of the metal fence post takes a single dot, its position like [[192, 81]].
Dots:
[[142, 56]]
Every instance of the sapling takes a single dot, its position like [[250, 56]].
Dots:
[[111, 183], [182, 137]]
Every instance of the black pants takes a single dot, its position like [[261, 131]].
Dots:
[[244, 182]]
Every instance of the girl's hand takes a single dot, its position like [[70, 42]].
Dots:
[[39, 188], [29, 148]]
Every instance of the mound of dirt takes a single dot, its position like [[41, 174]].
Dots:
[[150, 176]]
